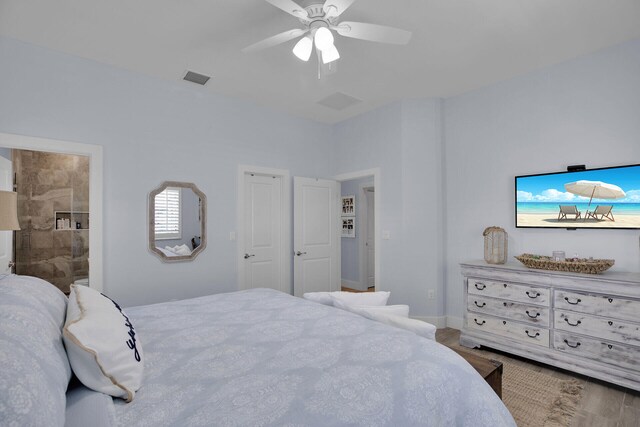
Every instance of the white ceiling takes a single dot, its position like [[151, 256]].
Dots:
[[457, 45]]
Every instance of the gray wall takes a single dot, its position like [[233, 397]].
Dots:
[[405, 140], [447, 167], [583, 111], [154, 130], [5, 152]]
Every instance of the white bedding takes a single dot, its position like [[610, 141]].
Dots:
[[264, 358], [86, 407], [178, 250]]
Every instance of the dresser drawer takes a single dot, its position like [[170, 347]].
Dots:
[[507, 328], [612, 353], [600, 327], [602, 305], [509, 291], [511, 310]]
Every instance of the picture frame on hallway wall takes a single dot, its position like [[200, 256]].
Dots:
[[349, 227], [349, 205]]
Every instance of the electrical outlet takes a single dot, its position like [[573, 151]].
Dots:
[[431, 294]]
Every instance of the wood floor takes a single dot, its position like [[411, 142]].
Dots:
[[602, 404], [345, 289]]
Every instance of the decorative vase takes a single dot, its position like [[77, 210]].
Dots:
[[495, 245]]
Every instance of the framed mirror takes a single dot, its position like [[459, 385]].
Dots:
[[177, 221]]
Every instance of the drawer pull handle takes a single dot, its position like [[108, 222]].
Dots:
[[610, 323], [504, 303], [610, 346], [480, 288], [537, 334], [533, 317], [610, 300], [505, 285], [535, 294], [478, 305], [572, 346], [572, 324], [479, 323], [573, 303], [504, 322]]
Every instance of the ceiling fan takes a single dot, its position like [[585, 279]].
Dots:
[[319, 20]]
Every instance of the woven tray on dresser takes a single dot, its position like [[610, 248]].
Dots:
[[574, 265]]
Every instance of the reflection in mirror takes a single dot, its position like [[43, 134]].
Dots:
[[177, 221]]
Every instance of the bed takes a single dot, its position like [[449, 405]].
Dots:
[[172, 251], [249, 358]]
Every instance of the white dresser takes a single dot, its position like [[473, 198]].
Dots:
[[584, 323]]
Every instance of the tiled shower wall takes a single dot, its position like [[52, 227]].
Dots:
[[46, 183]]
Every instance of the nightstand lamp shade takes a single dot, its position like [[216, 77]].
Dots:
[[9, 211]]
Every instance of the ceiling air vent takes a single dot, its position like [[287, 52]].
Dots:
[[200, 79], [339, 101]]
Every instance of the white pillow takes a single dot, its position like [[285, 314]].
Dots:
[[351, 298], [165, 251], [319, 297], [361, 298], [416, 326], [395, 310], [182, 250], [102, 346]]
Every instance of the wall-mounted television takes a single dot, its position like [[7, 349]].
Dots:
[[591, 198]]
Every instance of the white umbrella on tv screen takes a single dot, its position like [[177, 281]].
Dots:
[[595, 190]]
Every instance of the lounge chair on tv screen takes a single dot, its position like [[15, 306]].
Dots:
[[604, 211], [568, 210]]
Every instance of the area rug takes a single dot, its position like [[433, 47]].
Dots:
[[536, 399]]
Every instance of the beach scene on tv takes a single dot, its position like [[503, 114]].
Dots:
[[599, 198]]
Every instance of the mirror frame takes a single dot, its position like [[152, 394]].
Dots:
[[152, 214]]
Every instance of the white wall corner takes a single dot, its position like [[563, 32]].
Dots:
[[454, 322]]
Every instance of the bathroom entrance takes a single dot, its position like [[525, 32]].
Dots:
[[53, 212]]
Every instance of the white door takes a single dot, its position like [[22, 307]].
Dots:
[[370, 242], [6, 237], [316, 235], [263, 233]]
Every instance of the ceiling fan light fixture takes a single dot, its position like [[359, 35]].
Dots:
[[303, 48], [323, 38], [330, 54]]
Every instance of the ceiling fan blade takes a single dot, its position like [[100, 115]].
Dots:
[[373, 32], [290, 7], [275, 40], [334, 8]]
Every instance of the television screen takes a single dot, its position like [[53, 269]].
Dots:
[[592, 198]]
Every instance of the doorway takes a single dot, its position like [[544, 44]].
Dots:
[[360, 240], [6, 237], [264, 218], [358, 236], [54, 217], [91, 267], [316, 224]]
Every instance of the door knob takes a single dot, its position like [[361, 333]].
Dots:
[[300, 253], [247, 256]]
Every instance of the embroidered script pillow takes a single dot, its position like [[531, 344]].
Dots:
[[102, 346]]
